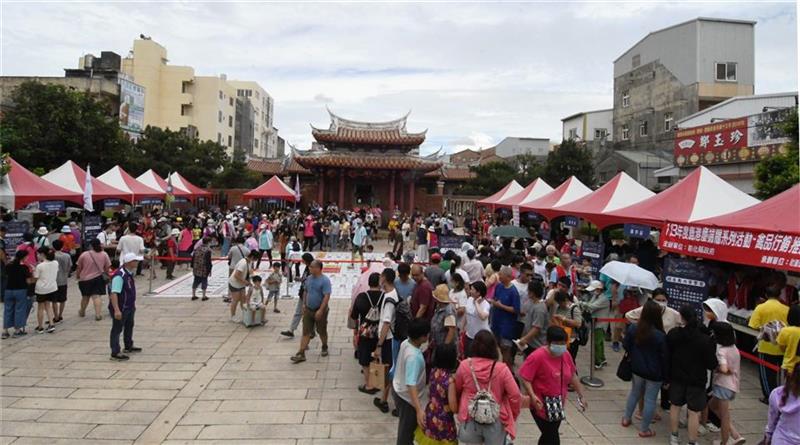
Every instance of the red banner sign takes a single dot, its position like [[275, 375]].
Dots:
[[711, 144], [756, 248]]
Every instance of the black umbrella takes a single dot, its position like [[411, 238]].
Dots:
[[511, 232]]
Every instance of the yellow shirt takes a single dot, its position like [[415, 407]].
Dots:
[[765, 312], [788, 339], [393, 224]]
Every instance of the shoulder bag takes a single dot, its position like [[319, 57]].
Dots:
[[554, 405]]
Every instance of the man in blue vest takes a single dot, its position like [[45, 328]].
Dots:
[[122, 306]]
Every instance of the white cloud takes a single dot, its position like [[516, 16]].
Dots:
[[471, 73]]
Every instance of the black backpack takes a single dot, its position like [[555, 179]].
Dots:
[[402, 318]]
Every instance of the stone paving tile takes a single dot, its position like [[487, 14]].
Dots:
[[69, 404], [242, 418], [21, 415], [264, 431], [101, 418], [268, 405], [116, 432], [185, 432], [232, 441], [84, 441], [144, 405], [51, 382], [130, 394], [35, 429]]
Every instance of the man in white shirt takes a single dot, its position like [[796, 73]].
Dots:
[[132, 243], [385, 352], [473, 267], [108, 237]]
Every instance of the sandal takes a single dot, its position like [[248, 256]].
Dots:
[[646, 434], [381, 405], [365, 390], [625, 422]]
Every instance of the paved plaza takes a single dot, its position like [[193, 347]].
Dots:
[[204, 379]]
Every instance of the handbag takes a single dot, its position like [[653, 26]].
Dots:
[[554, 405], [103, 274], [377, 375], [624, 370]]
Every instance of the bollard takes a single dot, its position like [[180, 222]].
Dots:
[[591, 381], [287, 296], [150, 277]]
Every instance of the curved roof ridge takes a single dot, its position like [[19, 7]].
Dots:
[[395, 124]]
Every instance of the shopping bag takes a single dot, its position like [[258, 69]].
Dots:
[[377, 375]]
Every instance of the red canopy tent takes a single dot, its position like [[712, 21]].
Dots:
[[511, 189], [531, 192], [179, 182], [700, 195], [766, 234], [73, 178], [273, 188], [621, 191], [120, 179], [20, 187], [151, 179], [568, 191]]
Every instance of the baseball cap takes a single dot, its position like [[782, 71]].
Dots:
[[130, 256], [594, 285]]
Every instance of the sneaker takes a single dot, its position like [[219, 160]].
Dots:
[[603, 364], [58, 320], [81, 312], [20, 334], [287, 333], [615, 346], [98, 317], [712, 428], [324, 351], [204, 299], [39, 330], [298, 358], [395, 413], [194, 298], [119, 357], [702, 430], [381, 405], [132, 349], [739, 441], [276, 310], [5, 335], [674, 439], [226, 300], [50, 328], [233, 319]]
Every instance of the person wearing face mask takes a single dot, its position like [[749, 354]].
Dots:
[[545, 375], [600, 307], [669, 316]]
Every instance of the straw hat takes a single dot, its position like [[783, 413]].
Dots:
[[442, 294]]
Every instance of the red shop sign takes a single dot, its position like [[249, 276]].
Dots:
[[711, 144]]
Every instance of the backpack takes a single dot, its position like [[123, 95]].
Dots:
[[581, 332], [369, 327], [769, 332], [402, 318], [482, 407]]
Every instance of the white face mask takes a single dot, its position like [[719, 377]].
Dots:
[[663, 304]]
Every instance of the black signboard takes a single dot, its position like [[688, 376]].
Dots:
[[92, 226], [451, 241], [686, 282], [594, 253], [14, 232]]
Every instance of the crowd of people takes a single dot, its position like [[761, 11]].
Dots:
[[465, 338]]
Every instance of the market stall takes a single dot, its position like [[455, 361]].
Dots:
[[73, 178], [530, 193], [273, 188], [21, 187], [511, 189], [120, 179], [181, 183], [151, 179], [567, 192]]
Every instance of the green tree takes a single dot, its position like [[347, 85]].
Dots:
[[489, 178], [528, 168], [50, 124], [569, 159], [235, 173], [168, 151], [778, 173]]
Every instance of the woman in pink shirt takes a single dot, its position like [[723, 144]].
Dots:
[[308, 233], [545, 375], [185, 243], [494, 374]]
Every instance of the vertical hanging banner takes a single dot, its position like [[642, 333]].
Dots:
[[593, 251], [92, 226], [515, 215], [686, 282], [15, 230]]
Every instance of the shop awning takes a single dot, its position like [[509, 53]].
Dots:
[[273, 188], [568, 191], [120, 179], [20, 187], [766, 234], [73, 178], [530, 193], [511, 189], [179, 182], [700, 195], [621, 191], [152, 180]]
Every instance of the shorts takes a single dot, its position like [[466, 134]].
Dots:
[[272, 295], [722, 393], [201, 282], [61, 294], [506, 344], [692, 396], [310, 324], [95, 286], [364, 350], [43, 298], [235, 289], [357, 249]]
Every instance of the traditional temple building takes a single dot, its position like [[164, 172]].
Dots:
[[355, 164]]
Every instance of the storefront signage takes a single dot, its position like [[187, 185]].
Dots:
[[92, 226], [14, 232], [571, 221], [756, 248], [51, 206], [640, 231], [113, 202], [686, 282], [594, 253]]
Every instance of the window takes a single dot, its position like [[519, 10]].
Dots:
[[664, 179], [184, 86], [220, 94], [219, 138], [230, 121], [643, 128], [626, 99], [230, 102], [258, 96], [255, 141], [636, 61], [626, 133], [726, 71], [573, 133], [219, 116], [230, 141], [184, 110], [668, 119], [600, 133]]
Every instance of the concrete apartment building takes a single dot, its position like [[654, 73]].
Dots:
[[509, 148], [204, 106], [675, 72], [592, 127]]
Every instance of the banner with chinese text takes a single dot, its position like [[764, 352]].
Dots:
[[756, 248], [686, 282]]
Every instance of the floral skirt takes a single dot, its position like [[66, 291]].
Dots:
[[421, 439]]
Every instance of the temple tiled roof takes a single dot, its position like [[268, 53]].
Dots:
[[277, 166], [451, 174], [346, 131], [364, 160]]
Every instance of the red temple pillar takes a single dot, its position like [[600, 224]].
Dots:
[[411, 198], [402, 196], [341, 189], [391, 193], [321, 188]]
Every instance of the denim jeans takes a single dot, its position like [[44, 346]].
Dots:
[[226, 246], [333, 241], [298, 315], [124, 326], [650, 389], [15, 309]]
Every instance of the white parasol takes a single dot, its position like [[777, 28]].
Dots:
[[629, 274]]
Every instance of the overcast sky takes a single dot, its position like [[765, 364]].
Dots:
[[470, 73]]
